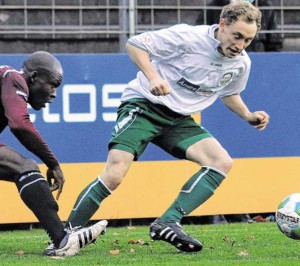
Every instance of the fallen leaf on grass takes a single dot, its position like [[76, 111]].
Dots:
[[243, 253], [131, 227], [57, 258], [114, 251], [139, 241], [229, 240], [226, 239], [19, 252], [115, 242]]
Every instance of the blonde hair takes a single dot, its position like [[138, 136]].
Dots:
[[241, 10]]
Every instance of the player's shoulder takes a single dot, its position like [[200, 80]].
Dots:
[[15, 77], [244, 57], [242, 60], [189, 27], [4, 69], [10, 72], [13, 74], [191, 33]]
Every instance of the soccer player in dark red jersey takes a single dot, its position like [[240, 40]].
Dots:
[[36, 83]]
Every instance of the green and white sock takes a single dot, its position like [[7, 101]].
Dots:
[[199, 188], [88, 203]]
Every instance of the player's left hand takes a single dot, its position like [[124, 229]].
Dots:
[[57, 176], [258, 119]]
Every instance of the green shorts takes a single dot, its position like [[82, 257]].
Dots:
[[140, 122]]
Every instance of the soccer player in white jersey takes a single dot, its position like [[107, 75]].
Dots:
[[183, 70]]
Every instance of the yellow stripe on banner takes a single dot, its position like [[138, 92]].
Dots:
[[253, 186]]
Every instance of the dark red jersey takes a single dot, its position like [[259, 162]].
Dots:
[[14, 113]]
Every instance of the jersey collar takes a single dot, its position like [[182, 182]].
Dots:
[[211, 33]]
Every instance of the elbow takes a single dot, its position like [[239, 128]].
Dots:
[[16, 130], [16, 126]]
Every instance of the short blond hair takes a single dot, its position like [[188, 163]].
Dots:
[[241, 10]]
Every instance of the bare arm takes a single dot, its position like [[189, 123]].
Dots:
[[158, 86], [258, 119], [16, 112]]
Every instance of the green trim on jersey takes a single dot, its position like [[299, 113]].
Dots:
[[140, 122]]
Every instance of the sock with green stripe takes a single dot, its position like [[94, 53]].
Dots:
[[199, 188], [88, 203]]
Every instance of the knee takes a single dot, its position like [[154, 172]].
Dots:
[[224, 164], [221, 163], [25, 165], [112, 179], [116, 167], [28, 165]]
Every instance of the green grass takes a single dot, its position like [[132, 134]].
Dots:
[[224, 244]]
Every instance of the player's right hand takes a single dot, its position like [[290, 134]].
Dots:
[[56, 180], [159, 87]]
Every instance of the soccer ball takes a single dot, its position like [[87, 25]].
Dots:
[[288, 216]]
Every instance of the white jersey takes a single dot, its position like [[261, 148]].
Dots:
[[187, 58]]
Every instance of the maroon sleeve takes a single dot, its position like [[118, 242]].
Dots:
[[14, 99]]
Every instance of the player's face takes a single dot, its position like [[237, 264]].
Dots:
[[235, 37], [42, 90]]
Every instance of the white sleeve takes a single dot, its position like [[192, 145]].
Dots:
[[165, 43]]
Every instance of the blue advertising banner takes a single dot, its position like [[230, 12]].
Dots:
[[78, 124], [274, 86]]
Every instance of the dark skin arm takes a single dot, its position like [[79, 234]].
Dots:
[[18, 118]]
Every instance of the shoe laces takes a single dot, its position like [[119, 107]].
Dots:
[[180, 229], [179, 225], [70, 229]]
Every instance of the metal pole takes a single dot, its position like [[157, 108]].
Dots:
[[123, 24], [132, 17]]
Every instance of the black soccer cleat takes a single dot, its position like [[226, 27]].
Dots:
[[172, 233]]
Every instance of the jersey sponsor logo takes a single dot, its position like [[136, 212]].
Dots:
[[216, 64], [186, 84], [226, 79], [195, 88]]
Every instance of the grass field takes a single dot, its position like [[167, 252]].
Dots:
[[224, 244]]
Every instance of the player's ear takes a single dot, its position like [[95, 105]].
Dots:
[[222, 24], [33, 76]]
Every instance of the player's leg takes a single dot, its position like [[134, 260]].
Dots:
[[126, 143], [33, 189], [216, 163], [89, 200], [35, 192], [199, 146]]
